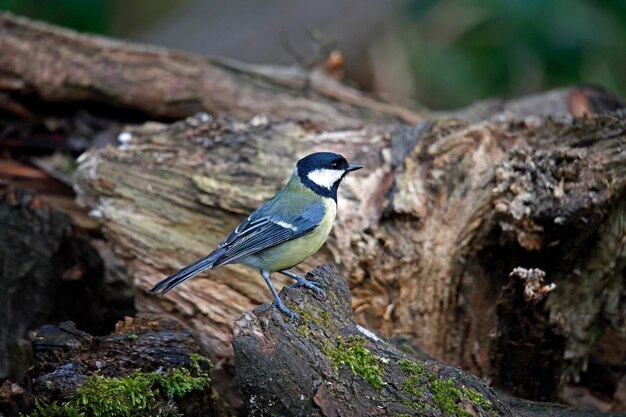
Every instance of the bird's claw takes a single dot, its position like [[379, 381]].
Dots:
[[284, 309], [312, 285]]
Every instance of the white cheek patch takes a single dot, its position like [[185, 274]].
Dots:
[[325, 177]]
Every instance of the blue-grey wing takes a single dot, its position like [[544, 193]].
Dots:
[[263, 230]]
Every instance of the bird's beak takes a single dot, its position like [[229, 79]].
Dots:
[[353, 167]]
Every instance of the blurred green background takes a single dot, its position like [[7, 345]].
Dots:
[[443, 54]]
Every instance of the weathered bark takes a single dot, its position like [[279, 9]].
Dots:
[[61, 66], [324, 364], [426, 234], [68, 360]]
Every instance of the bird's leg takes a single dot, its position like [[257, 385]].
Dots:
[[303, 282], [277, 301]]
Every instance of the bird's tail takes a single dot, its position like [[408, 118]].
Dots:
[[187, 272]]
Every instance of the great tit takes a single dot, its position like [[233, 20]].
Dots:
[[284, 231]]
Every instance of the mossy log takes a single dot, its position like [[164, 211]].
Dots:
[[148, 366], [324, 364]]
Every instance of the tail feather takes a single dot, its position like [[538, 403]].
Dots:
[[186, 273]]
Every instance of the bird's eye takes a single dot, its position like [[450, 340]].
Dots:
[[334, 165]]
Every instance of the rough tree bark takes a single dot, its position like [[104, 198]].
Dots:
[[324, 364], [426, 235]]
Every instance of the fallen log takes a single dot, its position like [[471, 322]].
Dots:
[[61, 66], [43, 64], [324, 364], [425, 235]]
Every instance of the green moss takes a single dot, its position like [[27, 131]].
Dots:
[[196, 363], [310, 317], [102, 396], [353, 354], [445, 393], [303, 330], [476, 398], [418, 378], [137, 394], [447, 397], [325, 317]]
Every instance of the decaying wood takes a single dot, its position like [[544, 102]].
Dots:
[[426, 234], [61, 66], [324, 364], [65, 357]]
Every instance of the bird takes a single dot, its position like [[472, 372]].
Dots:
[[284, 231]]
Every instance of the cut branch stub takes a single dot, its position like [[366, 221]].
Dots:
[[324, 364]]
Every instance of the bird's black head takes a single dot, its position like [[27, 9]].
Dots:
[[323, 171]]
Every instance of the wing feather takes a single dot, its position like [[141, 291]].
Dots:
[[259, 232]]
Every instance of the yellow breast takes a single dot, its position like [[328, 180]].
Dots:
[[293, 252]]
